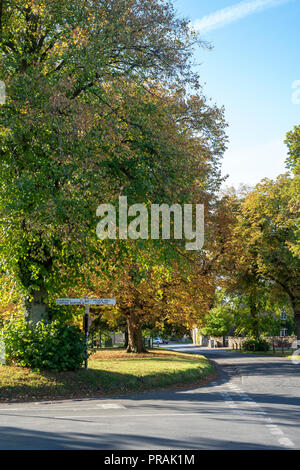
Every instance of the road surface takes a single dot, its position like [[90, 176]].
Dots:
[[253, 404]]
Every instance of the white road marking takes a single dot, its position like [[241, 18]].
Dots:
[[129, 415], [111, 406], [286, 442], [234, 387], [276, 432], [9, 409], [247, 400], [64, 408]]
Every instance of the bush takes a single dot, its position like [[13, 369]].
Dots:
[[254, 344], [55, 346]]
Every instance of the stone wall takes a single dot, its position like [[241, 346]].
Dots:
[[236, 342], [198, 338], [218, 341], [277, 341]]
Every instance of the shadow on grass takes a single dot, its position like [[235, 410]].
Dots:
[[100, 382]]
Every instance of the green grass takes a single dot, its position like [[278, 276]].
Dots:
[[110, 372], [287, 353]]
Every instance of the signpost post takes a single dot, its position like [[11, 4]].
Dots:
[[86, 319]]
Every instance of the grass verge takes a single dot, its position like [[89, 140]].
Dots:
[[110, 372], [287, 353]]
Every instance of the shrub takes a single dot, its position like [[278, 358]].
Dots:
[[55, 345], [254, 344]]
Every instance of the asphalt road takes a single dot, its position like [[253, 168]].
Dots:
[[253, 404]]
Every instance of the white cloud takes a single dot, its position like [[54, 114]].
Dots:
[[233, 13]]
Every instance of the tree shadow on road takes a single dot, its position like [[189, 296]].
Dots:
[[24, 439]]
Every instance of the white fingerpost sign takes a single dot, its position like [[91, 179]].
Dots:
[[86, 319]]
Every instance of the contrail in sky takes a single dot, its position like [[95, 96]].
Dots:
[[233, 13]]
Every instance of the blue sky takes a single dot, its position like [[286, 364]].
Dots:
[[251, 70]]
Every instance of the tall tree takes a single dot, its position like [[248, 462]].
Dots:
[[151, 293], [293, 163], [62, 133], [267, 231], [218, 322]]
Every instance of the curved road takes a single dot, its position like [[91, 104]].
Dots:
[[253, 404]]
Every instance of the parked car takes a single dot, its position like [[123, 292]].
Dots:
[[159, 340]]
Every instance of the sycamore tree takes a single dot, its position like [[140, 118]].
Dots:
[[150, 292], [183, 149], [293, 143], [244, 291], [233, 311], [293, 164], [267, 232], [69, 140], [218, 322]]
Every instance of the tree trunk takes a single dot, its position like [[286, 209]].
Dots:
[[296, 310], [297, 319], [126, 338], [254, 319], [135, 338], [36, 308]]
